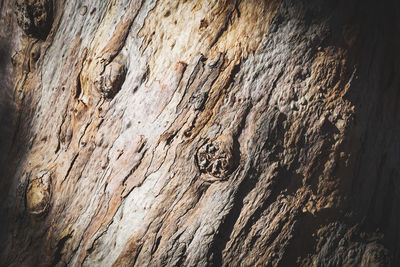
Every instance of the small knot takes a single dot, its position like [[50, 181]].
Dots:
[[38, 195], [216, 157]]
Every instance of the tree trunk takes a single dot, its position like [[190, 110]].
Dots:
[[199, 133]]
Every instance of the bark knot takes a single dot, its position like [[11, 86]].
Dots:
[[38, 195], [110, 81], [34, 56], [35, 17], [216, 157]]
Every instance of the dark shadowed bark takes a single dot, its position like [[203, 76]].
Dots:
[[199, 133]]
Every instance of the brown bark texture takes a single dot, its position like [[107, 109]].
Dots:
[[199, 133]]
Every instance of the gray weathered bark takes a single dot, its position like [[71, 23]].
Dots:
[[199, 133]]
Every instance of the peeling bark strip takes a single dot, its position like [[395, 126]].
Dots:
[[185, 29], [200, 133]]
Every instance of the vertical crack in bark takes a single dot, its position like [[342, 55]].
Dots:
[[59, 132], [71, 165]]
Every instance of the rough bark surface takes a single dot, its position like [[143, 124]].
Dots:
[[199, 133]]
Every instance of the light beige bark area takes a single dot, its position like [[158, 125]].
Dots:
[[199, 133]]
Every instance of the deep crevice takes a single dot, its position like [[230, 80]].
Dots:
[[60, 246]]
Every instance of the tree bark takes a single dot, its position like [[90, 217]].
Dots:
[[199, 133]]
